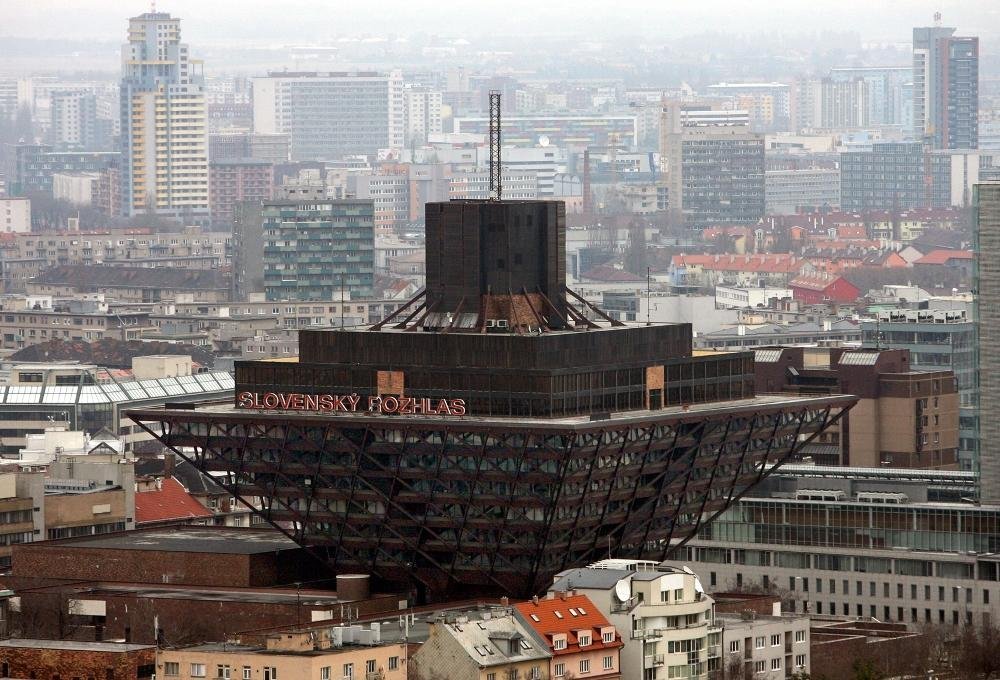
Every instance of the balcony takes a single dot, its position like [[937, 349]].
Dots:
[[650, 634], [627, 606], [654, 660]]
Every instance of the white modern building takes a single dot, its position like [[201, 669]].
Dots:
[[15, 215], [733, 297], [422, 108], [665, 618], [331, 115]]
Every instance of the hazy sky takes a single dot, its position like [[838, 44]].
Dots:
[[212, 21]]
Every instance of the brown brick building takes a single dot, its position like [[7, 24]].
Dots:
[[903, 418], [68, 659]]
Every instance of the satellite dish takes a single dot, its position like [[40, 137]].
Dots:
[[687, 570], [698, 588], [623, 589], [543, 140]]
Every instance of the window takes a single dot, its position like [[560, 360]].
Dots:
[[222, 672], [800, 636], [324, 673], [585, 665], [758, 643], [610, 636], [270, 673], [678, 595], [759, 666], [800, 660], [776, 664], [393, 663], [536, 673], [247, 674], [560, 670], [559, 643], [171, 668], [609, 663], [584, 639], [491, 676], [775, 640], [734, 645], [370, 666], [348, 670], [197, 670]]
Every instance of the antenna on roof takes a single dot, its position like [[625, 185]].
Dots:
[[496, 183]]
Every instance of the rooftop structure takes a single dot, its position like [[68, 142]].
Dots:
[[489, 434]]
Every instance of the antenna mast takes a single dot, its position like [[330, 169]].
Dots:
[[496, 183]]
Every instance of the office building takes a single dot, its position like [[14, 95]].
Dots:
[[559, 130], [422, 108], [889, 176], [987, 283], [937, 339], [946, 88], [953, 174], [715, 174], [888, 97], [670, 619], [318, 250], [30, 167], [903, 418], [844, 104], [163, 121], [237, 181], [331, 115], [787, 192], [77, 401], [896, 545], [497, 336], [75, 124], [769, 104]]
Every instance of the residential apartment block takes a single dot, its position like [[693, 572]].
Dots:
[[329, 115], [163, 121], [666, 620], [318, 250]]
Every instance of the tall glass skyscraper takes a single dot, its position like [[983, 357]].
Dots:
[[164, 134]]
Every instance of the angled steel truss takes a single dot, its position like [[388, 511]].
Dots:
[[490, 506]]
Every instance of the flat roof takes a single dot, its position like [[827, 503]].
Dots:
[[73, 645], [220, 540]]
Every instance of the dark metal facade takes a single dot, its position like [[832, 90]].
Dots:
[[497, 505]]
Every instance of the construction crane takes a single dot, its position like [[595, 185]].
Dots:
[[496, 179]]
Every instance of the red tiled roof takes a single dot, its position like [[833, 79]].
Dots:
[[779, 262], [587, 617], [170, 502], [945, 256], [818, 281]]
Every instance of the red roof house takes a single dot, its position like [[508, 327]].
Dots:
[[819, 287], [580, 639], [169, 503]]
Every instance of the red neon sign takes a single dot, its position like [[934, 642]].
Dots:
[[349, 403]]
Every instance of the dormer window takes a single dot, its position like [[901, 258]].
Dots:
[[559, 643], [584, 639]]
